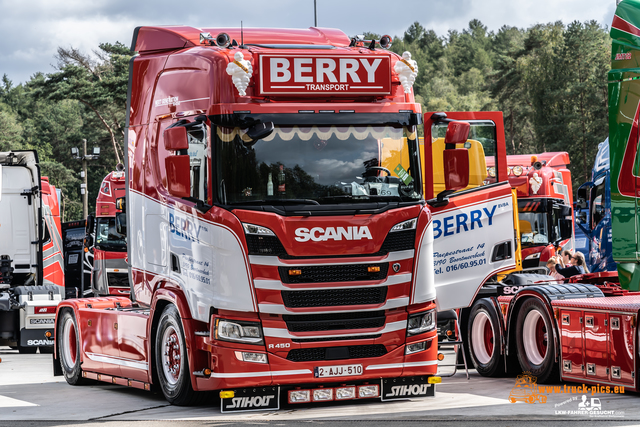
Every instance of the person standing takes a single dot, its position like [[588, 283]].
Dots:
[[578, 266]]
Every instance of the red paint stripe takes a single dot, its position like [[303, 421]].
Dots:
[[622, 25]]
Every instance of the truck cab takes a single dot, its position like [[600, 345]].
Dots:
[[593, 215], [31, 264], [109, 273], [545, 204]]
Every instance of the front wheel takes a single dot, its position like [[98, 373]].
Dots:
[[69, 348], [483, 338], [534, 339], [171, 359]]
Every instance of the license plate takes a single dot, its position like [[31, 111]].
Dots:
[[337, 371]]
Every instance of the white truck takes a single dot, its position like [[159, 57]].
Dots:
[[31, 263]]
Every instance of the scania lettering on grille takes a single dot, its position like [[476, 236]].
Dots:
[[319, 234], [250, 402], [408, 390]]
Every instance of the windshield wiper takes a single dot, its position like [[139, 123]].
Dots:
[[277, 202]]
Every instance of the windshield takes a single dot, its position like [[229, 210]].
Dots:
[[317, 165], [533, 228], [107, 238], [74, 238]]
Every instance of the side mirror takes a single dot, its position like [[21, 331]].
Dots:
[[178, 175], [583, 194], [457, 133], [566, 229], [90, 224], [175, 139], [88, 241], [565, 211], [120, 204], [260, 131], [456, 168], [582, 217], [121, 223]]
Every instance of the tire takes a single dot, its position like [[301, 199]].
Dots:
[[484, 339], [172, 364], [535, 341], [68, 339]]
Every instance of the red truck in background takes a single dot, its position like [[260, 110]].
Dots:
[[109, 274], [31, 263], [545, 203], [280, 245]]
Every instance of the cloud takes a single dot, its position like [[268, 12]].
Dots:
[[31, 30]]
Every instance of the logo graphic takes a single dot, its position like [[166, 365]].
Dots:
[[526, 390], [250, 402], [408, 390], [319, 234], [396, 266], [585, 405]]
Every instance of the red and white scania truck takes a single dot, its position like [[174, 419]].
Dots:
[[279, 242], [31, 263], [109, 274]]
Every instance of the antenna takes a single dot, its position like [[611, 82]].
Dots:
[[241, 36]]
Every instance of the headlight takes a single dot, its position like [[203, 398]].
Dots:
[[238, 331], [517, 170], [491, 172], [405, 225], [257, 229], [533, 256], [421, 322]]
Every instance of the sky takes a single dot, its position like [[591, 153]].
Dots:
[[32, 30]]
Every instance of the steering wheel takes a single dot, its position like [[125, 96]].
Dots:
[[379, 168]]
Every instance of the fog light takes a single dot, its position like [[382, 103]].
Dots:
[[416, 347], [366, 391], [322, 394], [299, 396], [227, 394], [344, 393], [434, 380], [251, 357]]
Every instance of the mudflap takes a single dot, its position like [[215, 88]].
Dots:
[[406, 388], [36, 338], [252, 399], [473, 240]]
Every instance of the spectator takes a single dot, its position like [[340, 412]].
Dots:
[[579, 266], [566, 258], [551, 265]]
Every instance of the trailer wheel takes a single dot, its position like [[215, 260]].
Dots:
[[69, 348], [534, 339], [172, 364], [483, 339]]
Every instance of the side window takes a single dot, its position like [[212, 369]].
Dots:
[[482, 147], [199, 151], [198, 134], [597, 206]]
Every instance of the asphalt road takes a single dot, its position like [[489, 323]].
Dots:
[[31, 396]]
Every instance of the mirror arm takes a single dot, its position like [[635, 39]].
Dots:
[[442, 199], [200, 205]]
